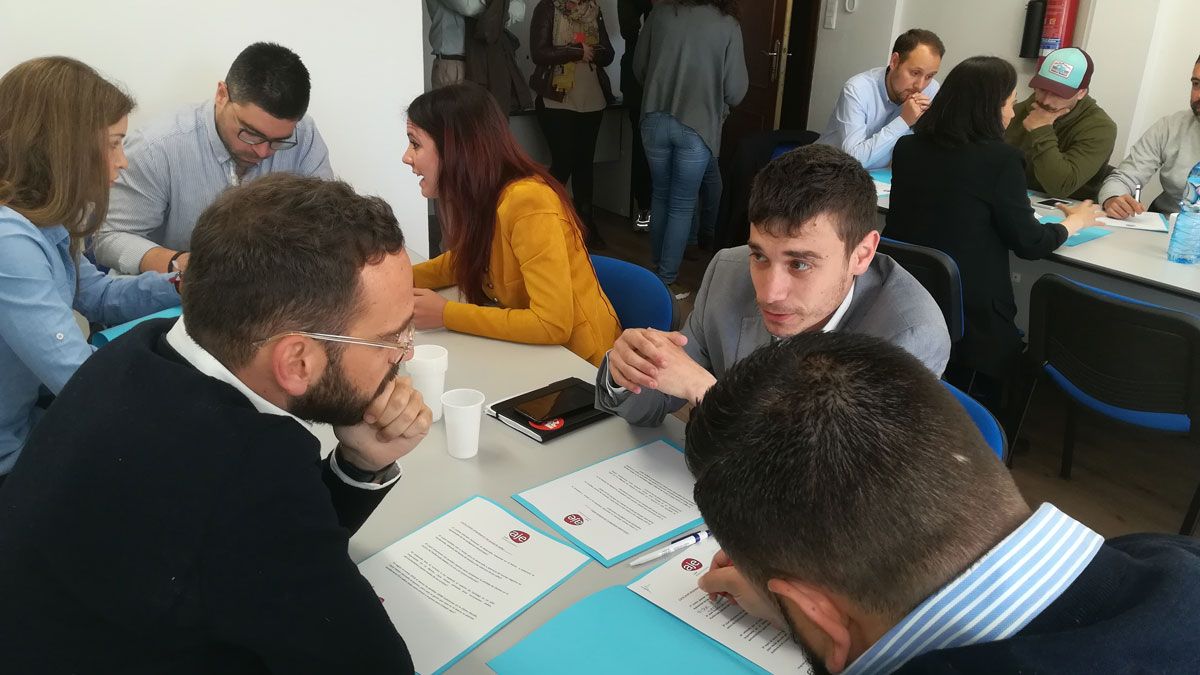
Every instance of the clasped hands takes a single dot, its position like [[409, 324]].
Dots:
[[647, 358]]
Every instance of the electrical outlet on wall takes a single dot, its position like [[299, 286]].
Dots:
[[831, 13]]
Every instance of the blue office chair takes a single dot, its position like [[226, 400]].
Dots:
[[641, 299], [987, 423], [1122, 358], [938, 273]]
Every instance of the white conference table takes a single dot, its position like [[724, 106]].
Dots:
[[507, 463]]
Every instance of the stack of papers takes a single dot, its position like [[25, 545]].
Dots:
[[621, 506], [451, 584], [1148, 221]]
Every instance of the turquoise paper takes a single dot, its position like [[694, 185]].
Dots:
[[106, 336], [618, 631]]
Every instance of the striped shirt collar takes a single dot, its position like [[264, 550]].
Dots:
[[994, 599], [208, 112]]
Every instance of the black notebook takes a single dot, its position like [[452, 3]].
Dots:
[[549, 412]]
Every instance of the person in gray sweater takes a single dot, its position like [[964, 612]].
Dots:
[[1170, 148], [811, 266], [692, 66]]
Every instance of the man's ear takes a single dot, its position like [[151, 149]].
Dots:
[[820, 612], [296, 363], [864, 253], [894, 60], [222, 93]]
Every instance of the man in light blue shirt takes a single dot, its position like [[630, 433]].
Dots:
[[879, 106], [178, 165], [447, 35]]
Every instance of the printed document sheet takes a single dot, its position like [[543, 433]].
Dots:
[[457, 580]]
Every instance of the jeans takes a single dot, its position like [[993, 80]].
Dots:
[[679, 160], [704, 223]]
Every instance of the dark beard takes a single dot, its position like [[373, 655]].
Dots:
[[815, 662], [1196, 108], [333, 399]]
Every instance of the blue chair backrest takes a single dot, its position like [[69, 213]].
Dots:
[[987, 423], [937, 272], [641, 299], [1121, 357]]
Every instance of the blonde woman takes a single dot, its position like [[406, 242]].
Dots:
[[62, 127]]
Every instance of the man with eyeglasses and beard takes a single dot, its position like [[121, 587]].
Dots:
[[256, 125], [171, 512], [1170, 148], [857, 505]]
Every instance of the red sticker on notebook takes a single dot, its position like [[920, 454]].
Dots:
[[549, 425], [692, 565], [574, 519], [518, 536]]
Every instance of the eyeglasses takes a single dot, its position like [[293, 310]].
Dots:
[[403, 342], [250, 138]]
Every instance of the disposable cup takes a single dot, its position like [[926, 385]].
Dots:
[[463, 410], [427, 368]]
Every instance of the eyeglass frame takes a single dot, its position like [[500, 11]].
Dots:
[[276, 143], [405, 344]]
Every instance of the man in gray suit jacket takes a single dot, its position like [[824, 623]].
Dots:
[[811, 265]]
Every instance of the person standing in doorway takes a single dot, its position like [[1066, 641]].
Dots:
[[631, 14], [447, 35], [570, 47], [692, 66]]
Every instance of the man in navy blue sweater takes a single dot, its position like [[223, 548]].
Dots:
[[857, 505], [171, 513]]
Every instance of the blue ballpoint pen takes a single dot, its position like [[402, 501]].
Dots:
[[677, 545]]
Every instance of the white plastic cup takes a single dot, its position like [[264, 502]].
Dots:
[[464, 410], [427, 368]]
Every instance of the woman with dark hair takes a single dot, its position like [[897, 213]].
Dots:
[[958, 187], [514, 244], [692, 66], [62, 131], [570, 48]]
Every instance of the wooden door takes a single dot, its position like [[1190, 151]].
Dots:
[[765, 25]]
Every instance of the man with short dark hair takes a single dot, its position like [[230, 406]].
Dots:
[[179, 164], [171, 512], [1170, 148], [1066, 136], [857, 504], [880, 105], [810, 266]]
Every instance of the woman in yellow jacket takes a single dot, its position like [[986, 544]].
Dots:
[[514, 243]]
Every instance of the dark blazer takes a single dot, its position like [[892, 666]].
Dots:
[[490, 57], [971, 202], [157, 522], [545, 54], [1131, 610]]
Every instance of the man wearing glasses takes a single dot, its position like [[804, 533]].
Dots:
[[178, 165], [171, 512]]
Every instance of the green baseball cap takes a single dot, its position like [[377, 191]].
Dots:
[[1064, 72]]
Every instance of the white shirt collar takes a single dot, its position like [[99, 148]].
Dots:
[[836, 319], [206, 363]]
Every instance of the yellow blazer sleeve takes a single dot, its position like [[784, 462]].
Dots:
[[435, 273], [541, 251]]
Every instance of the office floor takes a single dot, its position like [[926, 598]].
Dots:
[[1124, 480]]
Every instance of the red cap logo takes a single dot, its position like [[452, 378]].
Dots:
[[574, 519], [692, 565], [549, 425], [518, 536]]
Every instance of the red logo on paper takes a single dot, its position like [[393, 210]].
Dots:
[[574, 519], [692, 565], [518, 536], [549, 425]]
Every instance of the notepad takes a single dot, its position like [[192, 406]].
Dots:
[[1085, 235], [621, 506], [882, 176], [453, 583], [1148, 221]]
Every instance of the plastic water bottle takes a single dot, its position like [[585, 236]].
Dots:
[[1185, 238]]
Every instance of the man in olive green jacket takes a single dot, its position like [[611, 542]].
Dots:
[[1066, 137]]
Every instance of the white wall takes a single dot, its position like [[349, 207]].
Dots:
[[861, 41], [364, 57]]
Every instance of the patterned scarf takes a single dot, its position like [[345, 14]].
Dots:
[[573, 19]]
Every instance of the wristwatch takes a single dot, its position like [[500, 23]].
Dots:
[[363, 475]]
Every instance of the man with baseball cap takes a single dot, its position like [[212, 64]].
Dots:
[[1066, 137]]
